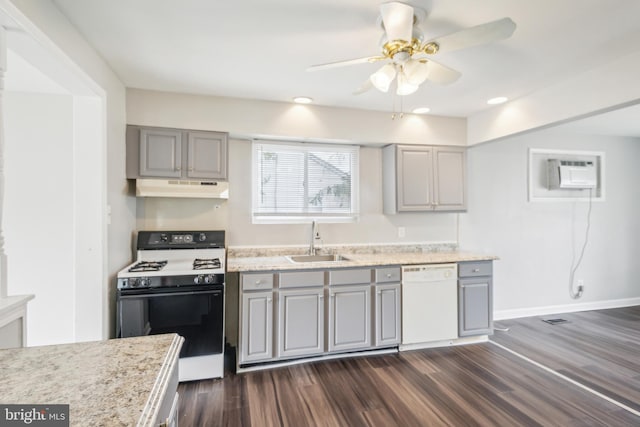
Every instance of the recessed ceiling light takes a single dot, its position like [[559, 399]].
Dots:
[[421, 110], [302, 100], [497, 100]]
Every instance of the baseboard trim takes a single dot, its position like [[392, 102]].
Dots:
[[566, 308]]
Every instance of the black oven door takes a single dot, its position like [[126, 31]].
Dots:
[[195, 314]]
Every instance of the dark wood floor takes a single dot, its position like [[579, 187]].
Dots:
[[456, 386]]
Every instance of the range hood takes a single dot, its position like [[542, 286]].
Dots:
[[182, 188]]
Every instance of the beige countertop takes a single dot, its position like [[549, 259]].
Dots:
[[241, 261], [118, 382]]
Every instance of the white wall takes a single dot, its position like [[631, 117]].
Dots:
[[58, 36], [39, 211], [535, 240], [242, 117]]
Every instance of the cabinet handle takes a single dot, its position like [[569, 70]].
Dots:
[[269, 300], [388, 275], [178, 169], [476, 270], [190, 169]]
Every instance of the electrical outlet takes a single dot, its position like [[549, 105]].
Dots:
[[401, 232]]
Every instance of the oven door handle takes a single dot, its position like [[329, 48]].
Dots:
[[169, 294]]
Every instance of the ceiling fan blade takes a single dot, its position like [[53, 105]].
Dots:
[[398, 20], [474, 36], [366, 86], [441, 74], [345, 63]]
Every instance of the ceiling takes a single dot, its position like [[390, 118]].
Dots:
[[260, 49]]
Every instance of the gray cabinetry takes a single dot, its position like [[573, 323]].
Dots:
[[423, 178], [387, 307], [475, 298], [160, 153], [349, 308], [176, 153], [301, 322], [256, 322]]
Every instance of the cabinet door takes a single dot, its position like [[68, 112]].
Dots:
[[475, 307], [387, 315], [160, 153], [414, 178], [449, 178], [207, 155], [349, 317], [300, 322], [257, 327]]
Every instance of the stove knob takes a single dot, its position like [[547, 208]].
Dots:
[[133, 283], [197, 280], [143, 281], [202, 237], [208, 278]]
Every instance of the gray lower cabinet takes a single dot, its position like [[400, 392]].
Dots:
[[256, 330], [257, 326], [475, 300], [301, 313], [387, 315], [349, 317], [301, 322]]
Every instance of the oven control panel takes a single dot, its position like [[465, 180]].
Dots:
[[170, 281], [180, 239]]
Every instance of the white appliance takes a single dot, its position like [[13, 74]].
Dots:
[[571, 174], [182, 188], [176, 285], [429, 304]]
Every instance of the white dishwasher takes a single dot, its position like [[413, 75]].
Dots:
[[429, 303]]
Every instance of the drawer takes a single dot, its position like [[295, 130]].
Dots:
[[388, 274], [252, 282], [475, 268], [349, 277], [301, 279]]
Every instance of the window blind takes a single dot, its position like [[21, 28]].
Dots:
[[301, 180]]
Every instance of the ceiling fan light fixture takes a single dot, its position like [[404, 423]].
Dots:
[[382, 78], [405, 87], [416, 71]]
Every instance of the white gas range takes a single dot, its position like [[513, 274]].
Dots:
[[176, 285]]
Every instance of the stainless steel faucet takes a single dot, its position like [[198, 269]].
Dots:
[[312, 245]]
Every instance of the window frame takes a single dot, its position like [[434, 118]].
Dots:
[[305, 217]]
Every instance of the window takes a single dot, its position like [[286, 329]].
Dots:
[[293, 182]]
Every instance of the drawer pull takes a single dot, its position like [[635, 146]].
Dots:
[[388, 275], [476, 270]]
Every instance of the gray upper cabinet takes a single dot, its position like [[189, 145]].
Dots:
[[176, 153], [207, 155], [160, 153], [418, 178]]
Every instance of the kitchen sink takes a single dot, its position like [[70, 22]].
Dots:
[[316, 258]]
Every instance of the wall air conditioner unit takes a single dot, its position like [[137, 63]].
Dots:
[[571, 174]]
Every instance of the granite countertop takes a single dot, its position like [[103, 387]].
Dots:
[[261, 259], [119, 382]]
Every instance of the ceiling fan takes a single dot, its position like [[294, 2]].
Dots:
[[408, 56]]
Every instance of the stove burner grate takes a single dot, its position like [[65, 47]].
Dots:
[[206, 264], [148, 266]]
